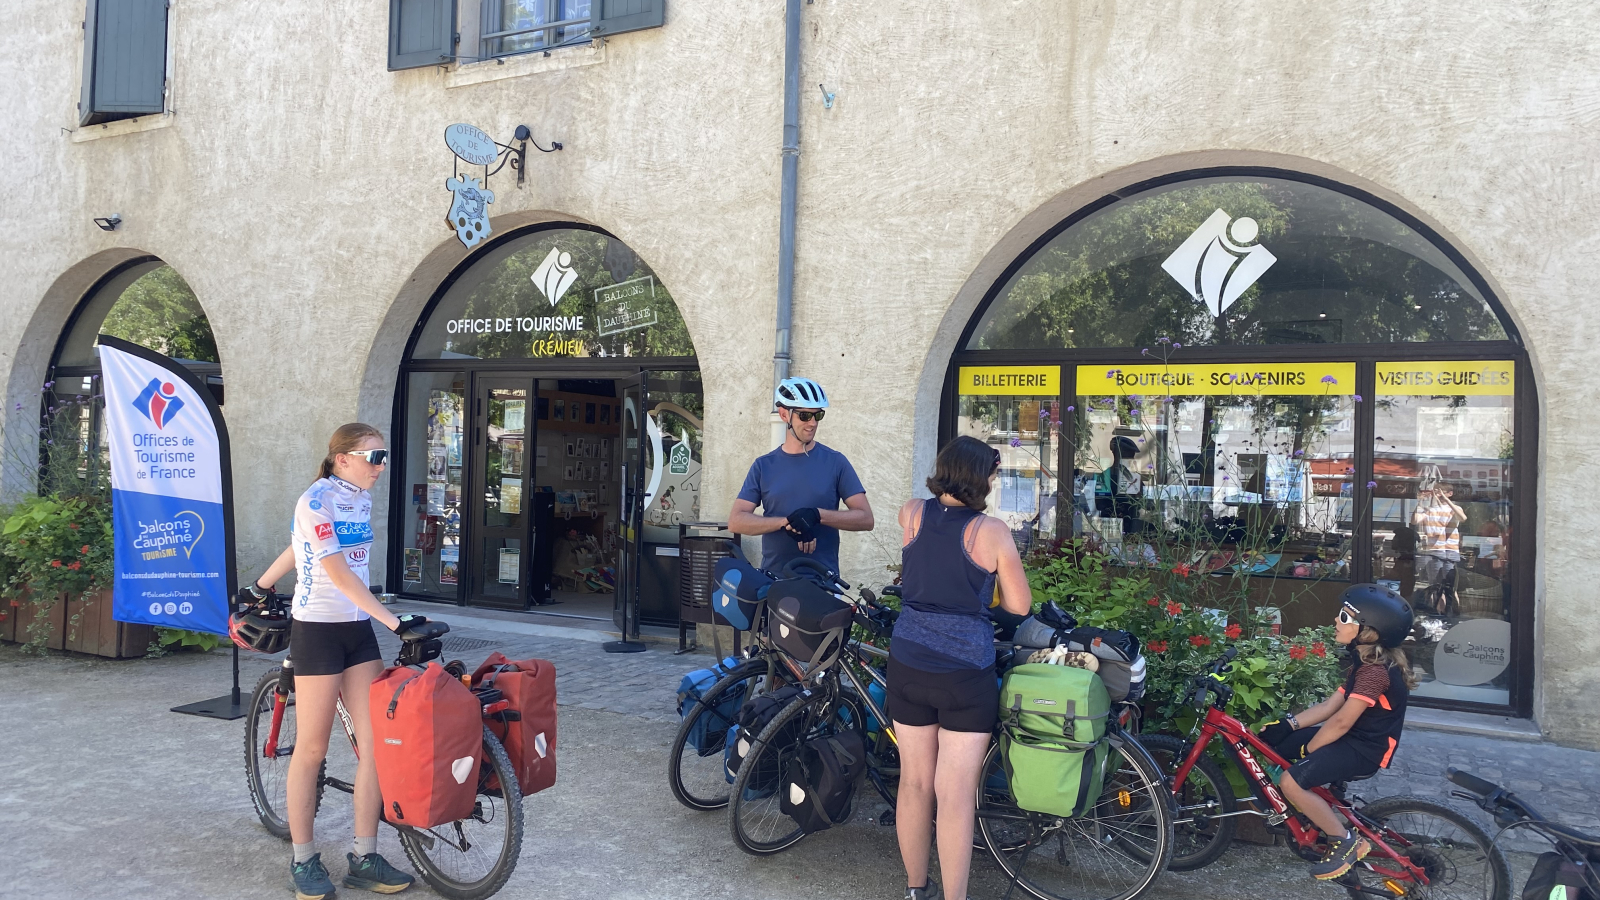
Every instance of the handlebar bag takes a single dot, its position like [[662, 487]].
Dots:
[[707, 736], [1053, 737], [820, 780], [756, 714], [1553, 877], [530, 736], [737, 597], [427, 742], [807, 622]]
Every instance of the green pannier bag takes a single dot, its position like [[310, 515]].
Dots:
[[1053, 737]]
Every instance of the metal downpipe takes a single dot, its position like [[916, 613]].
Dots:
[[786, 210]]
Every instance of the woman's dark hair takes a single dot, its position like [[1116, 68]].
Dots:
[[962, 471]]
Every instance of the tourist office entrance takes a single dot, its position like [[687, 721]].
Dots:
[[1264, 376]]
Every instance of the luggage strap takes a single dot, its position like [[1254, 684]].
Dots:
[[1013, 726], [488, 680], [395, 700], [844, 755]]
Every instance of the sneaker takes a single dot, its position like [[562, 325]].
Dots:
[[311, 881], [1341, 858], [373, 873], [921, 893]]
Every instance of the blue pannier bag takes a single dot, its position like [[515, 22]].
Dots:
[[740, 589], [706, 737]]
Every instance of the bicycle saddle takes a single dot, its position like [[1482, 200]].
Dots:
[[425, 632]]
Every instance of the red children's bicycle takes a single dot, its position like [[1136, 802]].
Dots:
[[1419, 848]]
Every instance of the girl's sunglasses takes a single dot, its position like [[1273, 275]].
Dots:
[[374, 457], [806, 415], [1346, 619]]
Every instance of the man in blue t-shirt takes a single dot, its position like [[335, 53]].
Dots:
[[799, 487]]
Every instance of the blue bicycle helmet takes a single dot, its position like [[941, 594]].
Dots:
[[800, 393]]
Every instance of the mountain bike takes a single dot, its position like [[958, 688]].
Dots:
[[1576, 854], [1419, 848], [469, 859]]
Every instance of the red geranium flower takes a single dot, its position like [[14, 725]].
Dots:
[[85, 549], [1156, 646], [75, 565], [1154, 601], [1233, 632], [1199, 640], [55, 563], [1174, 608], [1297, 652], [1182, 570], [73, 525], [1320, 649]]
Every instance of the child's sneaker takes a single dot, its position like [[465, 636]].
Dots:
[[1341, 858], [373, 873], [311, 881]]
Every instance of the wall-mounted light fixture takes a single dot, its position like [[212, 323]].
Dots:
[[109, 223]]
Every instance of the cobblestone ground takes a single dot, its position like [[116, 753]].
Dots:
[[172, 818]]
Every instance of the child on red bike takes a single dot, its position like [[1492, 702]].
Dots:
[[1353, 733]]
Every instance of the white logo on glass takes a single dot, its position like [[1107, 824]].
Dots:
[[555, 275], [1215, 265]]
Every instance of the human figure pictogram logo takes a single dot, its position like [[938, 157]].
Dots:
[[1216, 264], [159, 401]]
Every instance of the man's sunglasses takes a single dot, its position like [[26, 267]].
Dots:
[[806, 415], [374, 457]]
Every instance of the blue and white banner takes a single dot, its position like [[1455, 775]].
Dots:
[[168, 487]]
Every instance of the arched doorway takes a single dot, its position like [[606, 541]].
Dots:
[[1306, 384], [548, 432], [144, 301]]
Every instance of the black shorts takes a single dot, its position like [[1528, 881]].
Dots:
[[328, 648], [967, 700], [1339, 761]]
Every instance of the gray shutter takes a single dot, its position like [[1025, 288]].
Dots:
[[124, 59], [608, 17], [421, 33]]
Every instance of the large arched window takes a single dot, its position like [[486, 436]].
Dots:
[[1260, 374], [144, 301]]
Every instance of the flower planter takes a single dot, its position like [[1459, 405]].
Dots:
[[95, 632]]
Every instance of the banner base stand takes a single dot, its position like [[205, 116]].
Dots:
[[227, 707], [617, 647]]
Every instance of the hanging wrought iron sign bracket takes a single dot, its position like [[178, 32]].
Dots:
[[469, 213]]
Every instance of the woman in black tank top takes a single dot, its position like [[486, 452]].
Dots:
[[943, 696]]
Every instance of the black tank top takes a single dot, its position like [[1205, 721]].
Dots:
[[944, 622]]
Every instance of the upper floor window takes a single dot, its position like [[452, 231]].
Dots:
[[429, 32], [124, 60]]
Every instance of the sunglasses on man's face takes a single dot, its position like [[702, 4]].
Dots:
[[374, 457], [806, 415]]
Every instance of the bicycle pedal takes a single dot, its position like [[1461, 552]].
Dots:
[[1277, 818], [886, 817]]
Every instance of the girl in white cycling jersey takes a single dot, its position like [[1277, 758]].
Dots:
[[335, 652]]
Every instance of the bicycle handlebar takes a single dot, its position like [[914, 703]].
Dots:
[[793, 566], [1471, 782]]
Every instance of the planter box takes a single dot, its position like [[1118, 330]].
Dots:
[[95, 632]]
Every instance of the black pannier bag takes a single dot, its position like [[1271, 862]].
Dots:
[[821, 779], [807, 622], [756, 714]]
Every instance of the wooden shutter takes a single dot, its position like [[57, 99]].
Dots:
[[421, 33], [124, 59], [608, 17]]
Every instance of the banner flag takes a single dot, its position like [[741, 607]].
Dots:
[[171, 492]]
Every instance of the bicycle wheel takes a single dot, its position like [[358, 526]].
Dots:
[[1201, 837], [1458, 858], [472, 858], [697, 774], [759, 825], [1112, 852], [268, 776]]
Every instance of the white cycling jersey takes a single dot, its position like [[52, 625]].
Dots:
[[332, 516]]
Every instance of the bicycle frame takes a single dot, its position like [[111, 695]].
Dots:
[[1241, 741]]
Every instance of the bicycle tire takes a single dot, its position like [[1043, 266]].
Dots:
[[754, 804], [1135, 794], [1202, 841], [269, 781], [423, 845], [703, 787], [1445, 859]]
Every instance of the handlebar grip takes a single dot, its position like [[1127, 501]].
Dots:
[[1470, 781]]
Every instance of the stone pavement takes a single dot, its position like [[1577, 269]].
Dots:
[[106, 793]]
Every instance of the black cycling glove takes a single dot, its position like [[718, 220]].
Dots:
[[409, 621], [804, 522], [1276, 732]]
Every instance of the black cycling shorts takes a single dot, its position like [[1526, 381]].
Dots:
[[328, 648], [967, 700], [1339, 761]]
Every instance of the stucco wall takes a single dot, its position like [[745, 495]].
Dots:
[[299, 190]]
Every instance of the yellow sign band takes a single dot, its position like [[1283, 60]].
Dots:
[[1475, 378], [1011, 381], [1237, 379]]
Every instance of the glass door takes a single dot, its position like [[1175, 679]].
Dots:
[[501, 546], [630, 520]]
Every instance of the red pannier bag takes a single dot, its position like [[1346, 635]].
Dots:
[[530, 741], [427, 740]]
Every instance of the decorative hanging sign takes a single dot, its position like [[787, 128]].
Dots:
[[469, 203]]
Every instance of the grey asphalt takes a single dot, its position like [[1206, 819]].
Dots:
[[105, 793]]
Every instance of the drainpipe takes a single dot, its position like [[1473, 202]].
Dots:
[[786, 209]]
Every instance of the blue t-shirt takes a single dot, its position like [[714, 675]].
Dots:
[[781, 483]]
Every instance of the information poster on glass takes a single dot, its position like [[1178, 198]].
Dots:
[[449, 564], [515, 411], [413, 571], [511, 495], [510, 565], [511, 455]]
